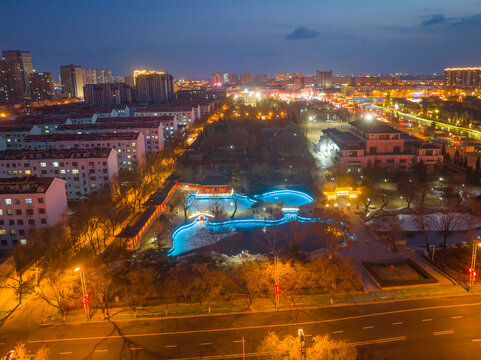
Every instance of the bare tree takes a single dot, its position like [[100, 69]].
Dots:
[[100, 282], [248, 280], [385, 202], [446, 222], [137, 287], [472, 222], [424, 223], [391, 226]]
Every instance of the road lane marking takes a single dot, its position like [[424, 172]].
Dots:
[[66, 353], [170, 346], [101, 350], [368, 327], [378, 341], [204, 344], [476, 340], [427, 320], [338, 331], [135, 348], [445, 332], [305, 323], [456, 317], [398, 323]]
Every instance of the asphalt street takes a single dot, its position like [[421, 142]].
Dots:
[[440, 328]]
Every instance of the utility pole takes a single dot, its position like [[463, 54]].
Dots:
[[85, 295], [302, 341], [472, 269], [276, 280]]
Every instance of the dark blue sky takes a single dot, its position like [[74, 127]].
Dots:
[[194, 38]]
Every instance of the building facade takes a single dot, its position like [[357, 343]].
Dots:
[[97, 76], [323, 79], [130, 146], [29, 203], [11, 84], [372, 143], [24, 60], [108, 94], [151, 87], [465, 77], [85, 171], [42, 86], [72, 80]]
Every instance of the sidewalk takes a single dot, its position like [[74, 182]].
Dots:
[[368, 248], [262, 305]]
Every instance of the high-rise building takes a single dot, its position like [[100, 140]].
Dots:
[[72, 80], [108, 94], [323, 79], [298, 80], [246, 78], [153, 86], [11, 84], [234, 79], [282, 77], [217, 78], [97, 76], [467, 76], [261, 79], [42, 86], [24, 59]]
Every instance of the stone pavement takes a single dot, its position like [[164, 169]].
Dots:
[[369, 248]]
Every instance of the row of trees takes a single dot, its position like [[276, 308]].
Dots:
[[289, 347]]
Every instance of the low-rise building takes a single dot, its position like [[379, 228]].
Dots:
[[29, 203], [130, 146], [85, 171], [168, 123], [373, 143], [15, 135], [152, 129]]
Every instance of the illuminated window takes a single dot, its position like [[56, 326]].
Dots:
[[43, 164], [74, 171], [8, 201], [27, 172], [55, 164], [62, 171], [28, 201], [1, 212], [3, 232]]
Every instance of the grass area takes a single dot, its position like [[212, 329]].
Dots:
[[455, 261], [401, 273]]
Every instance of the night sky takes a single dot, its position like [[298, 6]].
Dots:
[[194, 38]]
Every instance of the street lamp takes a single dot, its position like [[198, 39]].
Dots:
[[85, 295], [472, 269], [302, 341]]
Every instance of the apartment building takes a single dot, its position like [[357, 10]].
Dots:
[[85, 171], [29, 203], [168, 123], [373, 143], [130, 146], [14, 135], [151, 128]]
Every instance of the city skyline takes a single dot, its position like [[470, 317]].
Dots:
[[348, 37]]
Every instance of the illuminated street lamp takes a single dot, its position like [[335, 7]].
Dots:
[[302, 340], [85, 294], [472, 269]]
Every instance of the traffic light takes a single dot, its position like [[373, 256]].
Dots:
[[85, 301], [472, 274]]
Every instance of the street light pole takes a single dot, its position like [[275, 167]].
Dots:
[[472, 269], [84, 292], [300, 332]]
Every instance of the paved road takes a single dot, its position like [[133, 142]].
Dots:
[[441, 328]]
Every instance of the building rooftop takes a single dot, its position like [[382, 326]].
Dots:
[[15, 128], [111, 125], [25, 185], [84, 137], [55, 154], [374, 127], [134, 119]]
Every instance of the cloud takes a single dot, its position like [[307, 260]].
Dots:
[[435, 19], [440, 19], [302, 33]]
